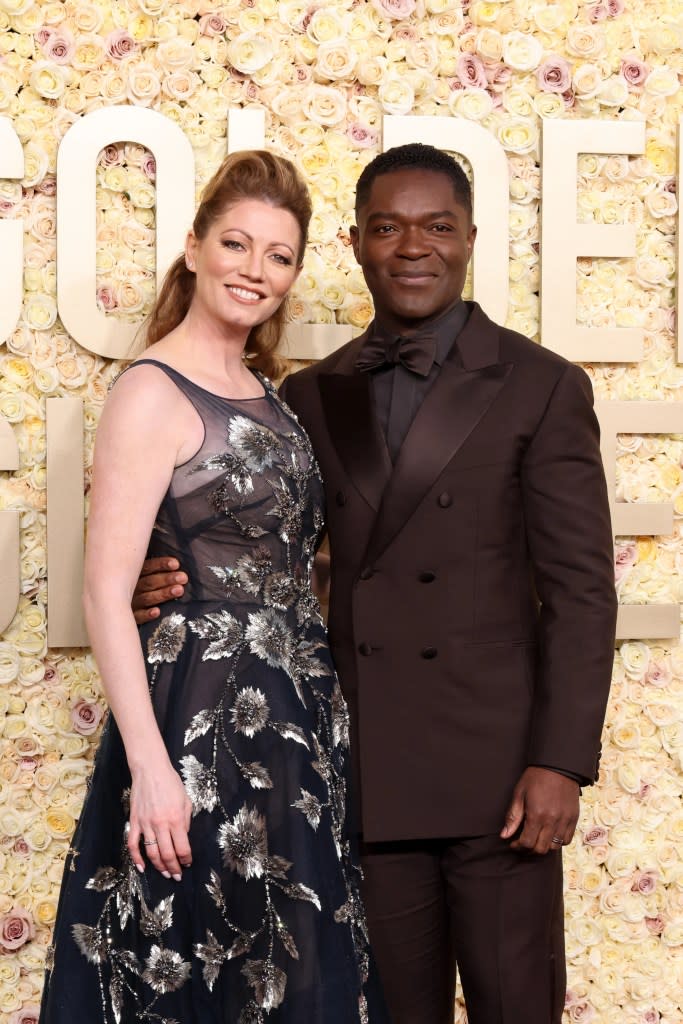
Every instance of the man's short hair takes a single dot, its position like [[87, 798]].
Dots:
[[415, 156]]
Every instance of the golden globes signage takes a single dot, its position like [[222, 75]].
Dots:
[[563, 240]]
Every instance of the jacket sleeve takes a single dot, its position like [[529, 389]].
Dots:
[[572, 555]]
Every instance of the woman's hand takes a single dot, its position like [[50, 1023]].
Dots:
[[160, 815]]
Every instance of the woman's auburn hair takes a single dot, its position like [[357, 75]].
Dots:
[[249, 174]]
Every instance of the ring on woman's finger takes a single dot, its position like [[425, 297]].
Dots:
[[557, 841], [150, 842]]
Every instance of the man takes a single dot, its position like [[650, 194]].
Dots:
[[472, 607]]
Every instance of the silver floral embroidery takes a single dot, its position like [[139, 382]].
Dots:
[[223, 631], [165, 970], [244, 843], [166, 642], [310, 806], [250, 711], [268, 982]]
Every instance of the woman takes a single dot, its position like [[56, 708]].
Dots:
[[210, 880]]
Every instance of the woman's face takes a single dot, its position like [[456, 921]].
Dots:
[[245, 265]]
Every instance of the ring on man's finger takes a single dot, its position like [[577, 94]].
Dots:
[[153, 842], [557, 841]]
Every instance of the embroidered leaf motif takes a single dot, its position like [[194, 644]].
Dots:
[[89, 941], [299, 891], [103, 879], [240, 946], [288, 731], [213, 954], [257, 775], [285, 937], [200, 724], [154, 922], [310, 807], [200, 783], [222, 630], [267, 981], [116, 996]]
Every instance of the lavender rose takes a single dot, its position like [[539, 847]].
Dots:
[[26, 1015], [16, 928], [471, 71], [85, 717], [554, 74]]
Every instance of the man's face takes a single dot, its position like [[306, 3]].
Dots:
[[413, 242]]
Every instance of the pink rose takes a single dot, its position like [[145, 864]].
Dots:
[[651, 1017], [554, 74], [16, 928], [106, 298], [645, 882], [302, 74], [6, 206], [361, 136], [43, 34], [582, 1011], [26, 1015], [471, 71], [606, 9], [120, 44], [21, 847], [658, 673], [596, 836], [110, 156], [212, 25], [634, 71], [497, 75], [625, 557], [149, 166], [59, 47], [85, 717], [48, 186], [397, 10], [51, 672], [406, 33], [655, 925]]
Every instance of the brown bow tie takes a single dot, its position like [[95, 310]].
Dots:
[[416, 353]]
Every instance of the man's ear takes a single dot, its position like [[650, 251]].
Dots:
[[355, 241], [471, 238]]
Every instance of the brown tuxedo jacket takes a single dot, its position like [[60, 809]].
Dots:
[[472, 607]]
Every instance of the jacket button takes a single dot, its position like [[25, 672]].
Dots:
[[427, 577], [445, 500], [367, 573], [428, 653], [340, 498], [365, 650]]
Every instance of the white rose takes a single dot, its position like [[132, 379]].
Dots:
[[522, 52], [396, 95], [324, 104], [612, 92], [40, 311], [143, 84], [250, 52], [336, 60], [587, 41], [49, 80], [586, 80], [474, 104]]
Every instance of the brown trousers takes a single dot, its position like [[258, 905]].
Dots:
[[494, 912]]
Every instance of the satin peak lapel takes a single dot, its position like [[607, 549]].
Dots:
[[451, 410], [355, 432]]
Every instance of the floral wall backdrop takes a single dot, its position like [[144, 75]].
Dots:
[[325, 74]]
